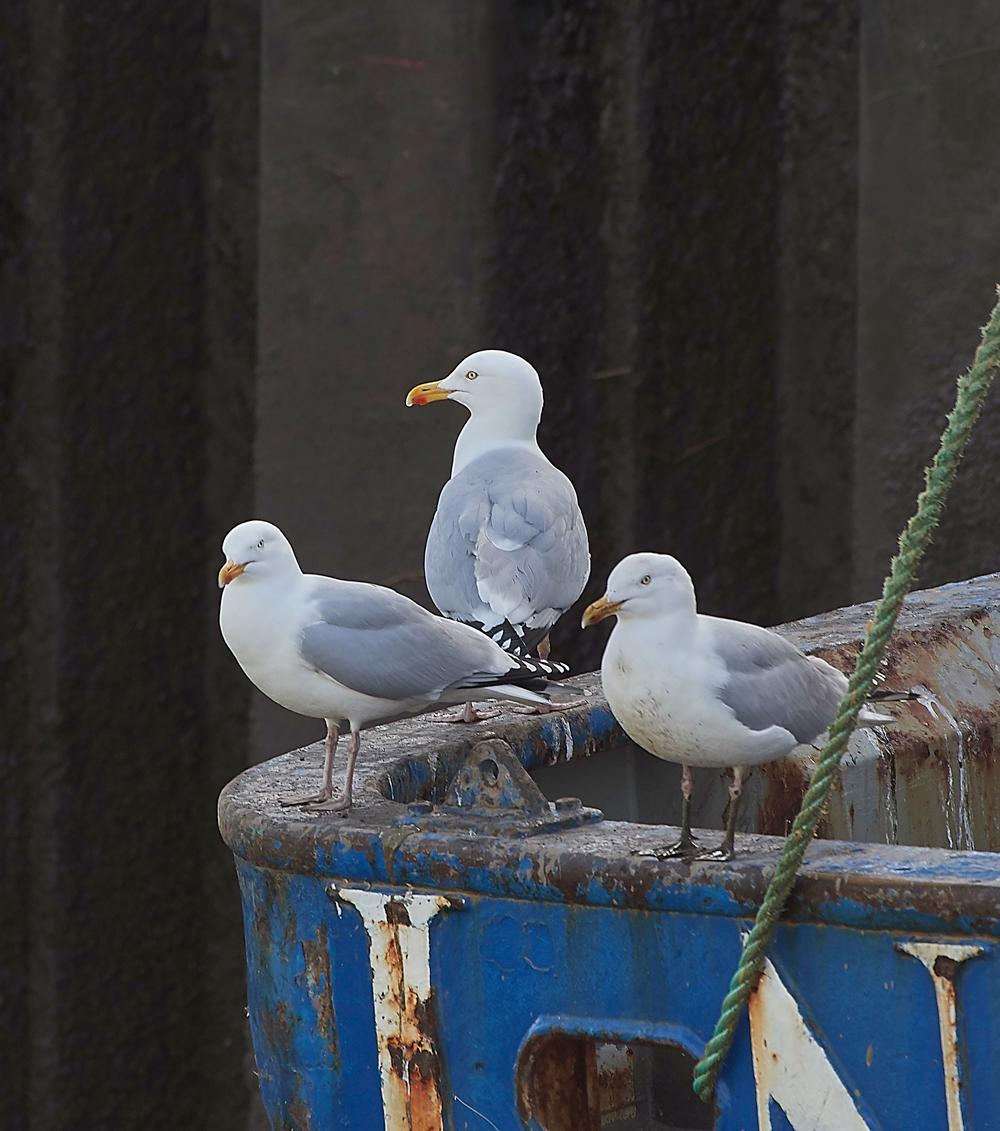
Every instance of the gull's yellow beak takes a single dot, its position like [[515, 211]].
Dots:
[[600, 609], [424, 394], [229, 571]]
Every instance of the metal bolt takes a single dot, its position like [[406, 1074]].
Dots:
[[568, 804], [417, 808]]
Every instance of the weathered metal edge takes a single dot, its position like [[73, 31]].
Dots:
[[881, 885], [873, 886]]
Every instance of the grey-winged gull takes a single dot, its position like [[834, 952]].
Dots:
[[351, 653], [703, 691], [507, 551]]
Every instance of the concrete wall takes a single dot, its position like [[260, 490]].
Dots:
[[374, 121], [747, 246], [928, 263], [127, 196]]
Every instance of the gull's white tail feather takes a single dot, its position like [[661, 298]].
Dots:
[[869, 717]]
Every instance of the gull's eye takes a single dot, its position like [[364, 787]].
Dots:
[[646, 580], [260, 545], [471, 375]]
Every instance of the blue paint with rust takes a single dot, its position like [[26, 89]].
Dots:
[[569, 932]]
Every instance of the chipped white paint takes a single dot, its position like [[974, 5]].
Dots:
[[791, 1067], [958, 815], [944, 991], [567, 733], [398, 927]]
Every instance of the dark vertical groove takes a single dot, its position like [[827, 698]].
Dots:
[[231, 177], [547, 289], [127, 221], [132, 527], [818, 341], [15, 705], [708, 314]]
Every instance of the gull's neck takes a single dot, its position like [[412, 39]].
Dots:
[[512, 427], [280, 586], [677, 629]]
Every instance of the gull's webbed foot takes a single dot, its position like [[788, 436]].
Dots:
[[305, 798], [470, 714], [684, 849], [549, 708], [334, 805]]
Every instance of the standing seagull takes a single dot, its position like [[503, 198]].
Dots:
[[353, 654], [507, 551], [704, 691]]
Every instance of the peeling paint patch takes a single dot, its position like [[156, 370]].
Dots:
[[942, 961], [398, 927], [316, 956]]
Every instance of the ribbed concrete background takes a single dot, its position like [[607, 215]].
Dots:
[[772, 223], [234, 237]]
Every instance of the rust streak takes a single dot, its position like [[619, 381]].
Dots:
[[316, 955], [298, 1113], [942, 962], [404, 1013]]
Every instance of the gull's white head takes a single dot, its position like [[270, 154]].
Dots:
[[490, 382], [256, 550], [644, 586]]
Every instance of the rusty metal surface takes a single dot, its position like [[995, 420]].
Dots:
[[363, 981], [557, 1084], [942, 961], [493, 795], [931, 779], [405, 1028]]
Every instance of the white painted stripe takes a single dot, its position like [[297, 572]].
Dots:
[[399, 956], [791, 1067], [944, 992]]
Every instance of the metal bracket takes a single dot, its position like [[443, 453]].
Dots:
[[494, 795]]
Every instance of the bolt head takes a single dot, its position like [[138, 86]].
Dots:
[[568, 804]]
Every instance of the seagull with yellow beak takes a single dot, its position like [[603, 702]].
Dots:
[[704, 691], [354, 654], [507, 551]]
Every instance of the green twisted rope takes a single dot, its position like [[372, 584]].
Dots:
[[972, 389]]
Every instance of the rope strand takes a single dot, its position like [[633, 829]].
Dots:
[[913, 542]]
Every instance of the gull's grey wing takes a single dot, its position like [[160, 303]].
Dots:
[[772, 683], [508, 541], [380, 643]]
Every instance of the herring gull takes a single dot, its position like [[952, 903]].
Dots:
[[354, 654], [704, 691], [507, 551]]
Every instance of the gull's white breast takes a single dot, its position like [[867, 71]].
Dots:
[[262, 623], [664, 694]]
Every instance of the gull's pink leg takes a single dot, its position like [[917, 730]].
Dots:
[[326, 790], [727, 850], [687, 845], [343, 802]]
